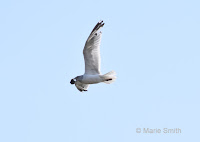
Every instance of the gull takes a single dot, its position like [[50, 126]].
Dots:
[[92, 59]]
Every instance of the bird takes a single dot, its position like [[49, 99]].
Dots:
[[91, 53]]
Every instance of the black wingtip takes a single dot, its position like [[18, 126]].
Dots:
[[98, 25], [101, 21]]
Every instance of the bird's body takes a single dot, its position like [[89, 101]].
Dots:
[[91, 79], [92, 59]]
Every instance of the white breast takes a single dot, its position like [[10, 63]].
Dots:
[[91, 79]]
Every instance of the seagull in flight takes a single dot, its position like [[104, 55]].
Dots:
[[92, 59]]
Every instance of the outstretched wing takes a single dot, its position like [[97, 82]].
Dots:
[[91, 50], [81, 87]]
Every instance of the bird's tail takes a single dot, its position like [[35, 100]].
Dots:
[[109, 77]]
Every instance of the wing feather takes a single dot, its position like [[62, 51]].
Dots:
[[81, 87], [91, 51]]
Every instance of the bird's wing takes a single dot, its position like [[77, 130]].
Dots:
[[91, 50], [81, 87]]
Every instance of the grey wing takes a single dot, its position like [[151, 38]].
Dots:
[[91, 51], [81, 87]]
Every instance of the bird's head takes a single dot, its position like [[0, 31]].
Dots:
[[73, 81], [78, 78]]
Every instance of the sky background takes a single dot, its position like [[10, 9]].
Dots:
[[153, 46]]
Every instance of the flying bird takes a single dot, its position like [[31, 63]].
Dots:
[[92, 59]]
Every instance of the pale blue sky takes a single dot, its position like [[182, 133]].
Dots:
[[153, 46]]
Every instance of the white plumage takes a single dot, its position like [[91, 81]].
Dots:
[[91, 54], [92, 59]]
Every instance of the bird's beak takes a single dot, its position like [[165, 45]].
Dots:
[[72, 81]]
